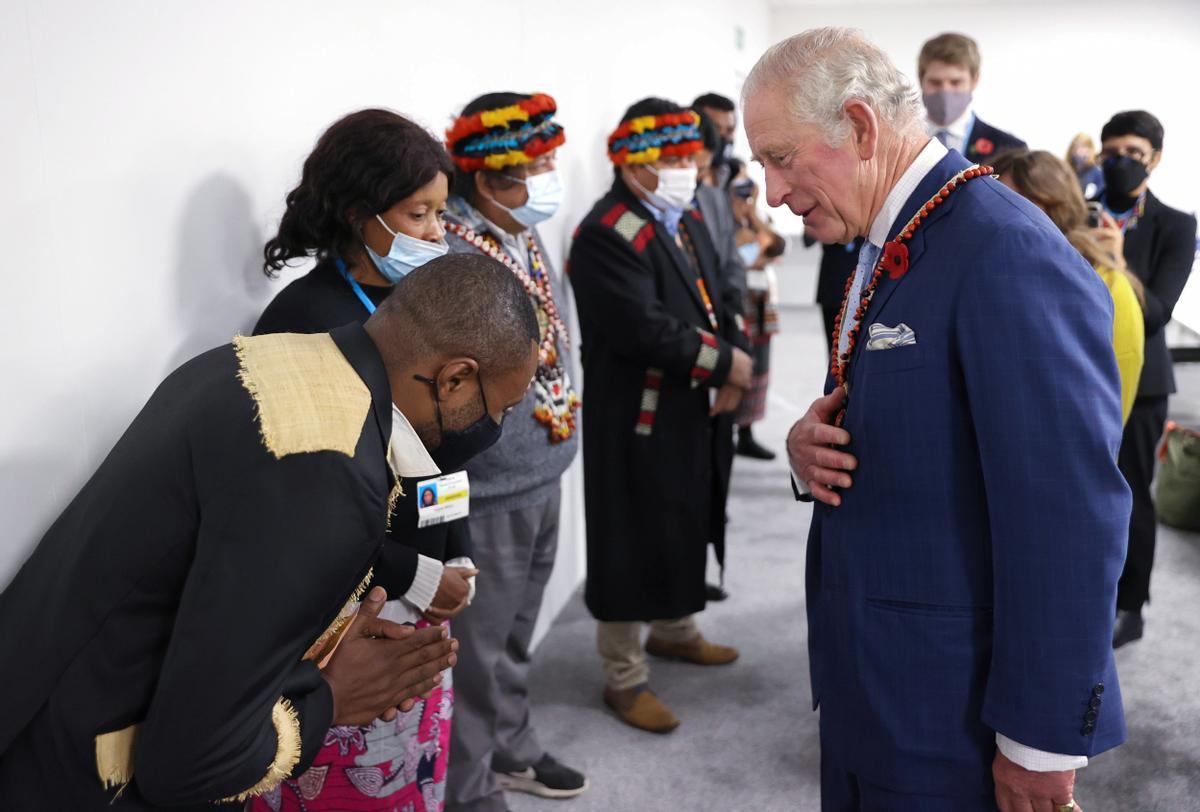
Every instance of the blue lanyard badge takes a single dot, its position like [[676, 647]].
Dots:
[[354, 286]]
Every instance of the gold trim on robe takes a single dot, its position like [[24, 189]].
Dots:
[[309, 397], [287, 752]]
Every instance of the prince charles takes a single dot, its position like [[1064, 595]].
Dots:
[[970, 520]]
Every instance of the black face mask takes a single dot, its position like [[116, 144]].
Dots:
[[1122, 175], [459, 446]]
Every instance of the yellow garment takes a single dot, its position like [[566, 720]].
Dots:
[[1129, 335]]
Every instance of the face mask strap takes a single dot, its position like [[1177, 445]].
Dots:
[[386, 226], [437, 401]]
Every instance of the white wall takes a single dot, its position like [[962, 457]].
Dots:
[[146, 148], [1051, 68]]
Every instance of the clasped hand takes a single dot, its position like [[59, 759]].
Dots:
[[820, 467], [741, 375], [380, 667]]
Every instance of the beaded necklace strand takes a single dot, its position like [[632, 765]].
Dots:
[[894, 257], [556, 400]]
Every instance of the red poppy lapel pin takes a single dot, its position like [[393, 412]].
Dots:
[[984, 146], [895, 259]]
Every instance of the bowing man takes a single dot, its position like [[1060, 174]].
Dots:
[[179, 637]]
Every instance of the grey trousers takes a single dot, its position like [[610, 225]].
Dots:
[[514, 552]]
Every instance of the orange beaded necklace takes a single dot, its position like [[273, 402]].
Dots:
[[893, 259]]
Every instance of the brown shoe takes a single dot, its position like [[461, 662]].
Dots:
[[698, 651], [640, 708]]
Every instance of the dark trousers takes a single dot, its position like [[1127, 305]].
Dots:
[[1143, 431], [843, 791]]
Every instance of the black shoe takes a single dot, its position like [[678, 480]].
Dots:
[[546, 779], [747, 446], [715, 593], [1129, 627]]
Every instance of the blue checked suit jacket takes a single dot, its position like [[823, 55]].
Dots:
[[967, 583]]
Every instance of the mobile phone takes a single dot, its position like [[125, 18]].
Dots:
[[1094, 209]]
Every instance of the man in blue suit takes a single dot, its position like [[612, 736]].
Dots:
[[969, 532]]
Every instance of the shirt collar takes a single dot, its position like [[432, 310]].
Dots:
[[925, 161], [514, 244], [407, 455]]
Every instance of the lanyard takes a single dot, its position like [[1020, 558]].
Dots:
[[354, 286]]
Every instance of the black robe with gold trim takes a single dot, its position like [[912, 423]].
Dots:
[[155, 639]]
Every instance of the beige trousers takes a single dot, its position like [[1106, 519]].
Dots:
[[620, 647]]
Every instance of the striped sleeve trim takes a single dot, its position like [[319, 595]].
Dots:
[[706, 359], [649, 409]]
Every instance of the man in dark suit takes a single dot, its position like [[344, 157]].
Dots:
[[962, 562], [948, 69], [168, 642], [1159, 246]]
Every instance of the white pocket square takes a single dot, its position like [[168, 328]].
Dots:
[[882, 337]]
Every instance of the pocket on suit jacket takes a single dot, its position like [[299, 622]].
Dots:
[[895, 359], [918, 608]]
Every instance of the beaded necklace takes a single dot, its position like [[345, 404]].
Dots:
[[690, 248], [893, 258], [556, 400]]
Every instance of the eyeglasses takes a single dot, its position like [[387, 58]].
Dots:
[[1136, 153]]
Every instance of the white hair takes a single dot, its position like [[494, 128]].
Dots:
[[821, 69]]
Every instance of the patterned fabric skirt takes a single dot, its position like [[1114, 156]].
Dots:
[[754, 403], [397, 766]]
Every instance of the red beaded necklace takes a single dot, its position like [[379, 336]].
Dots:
[[894, 259]]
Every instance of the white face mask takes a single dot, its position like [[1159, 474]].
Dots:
[[545, 196], [406, 254], [676, 187]]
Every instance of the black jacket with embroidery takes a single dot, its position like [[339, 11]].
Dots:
[[180, 590], [652, 454]]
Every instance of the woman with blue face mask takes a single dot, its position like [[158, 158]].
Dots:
[[368, 209]]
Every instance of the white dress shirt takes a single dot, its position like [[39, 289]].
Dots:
[[1020, 754], [408, 457], [956, 131]]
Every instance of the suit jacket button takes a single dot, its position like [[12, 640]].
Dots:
[[1087, 729], [1094, 702], [1091, 715], [1099, 689]]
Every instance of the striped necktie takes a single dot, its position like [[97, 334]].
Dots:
[[868, 255]]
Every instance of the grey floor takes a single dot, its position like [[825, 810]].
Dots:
[[749, 739]]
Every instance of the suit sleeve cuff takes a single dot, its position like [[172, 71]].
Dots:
[[425, 582], [1038, 761], [466, 563]]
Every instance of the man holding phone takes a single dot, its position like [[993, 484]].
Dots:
[[1158, 244]]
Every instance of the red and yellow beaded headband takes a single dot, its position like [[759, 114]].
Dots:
[[646, 139], [505, 136]]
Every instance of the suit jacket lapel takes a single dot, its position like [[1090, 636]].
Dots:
[[948, 167]]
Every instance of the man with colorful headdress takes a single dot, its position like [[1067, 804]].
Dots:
[[506, 182], [664, 354]]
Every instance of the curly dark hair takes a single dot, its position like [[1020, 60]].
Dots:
[[362, 165]]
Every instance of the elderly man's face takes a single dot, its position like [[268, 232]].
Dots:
[[821, 184]]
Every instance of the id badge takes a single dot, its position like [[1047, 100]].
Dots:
[[443, 499]]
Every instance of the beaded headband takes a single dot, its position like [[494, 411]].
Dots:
[[645, 139], [505, 136]]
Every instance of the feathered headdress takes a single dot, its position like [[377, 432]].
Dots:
[[505, 136], [645, 139]]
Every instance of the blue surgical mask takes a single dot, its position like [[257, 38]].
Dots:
[[545, 196], [750, 252], [406, 254]]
